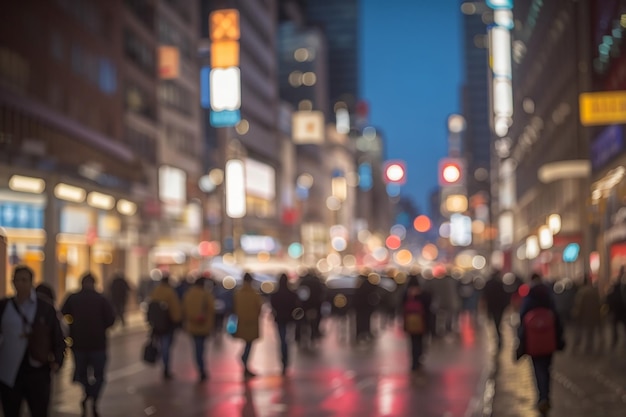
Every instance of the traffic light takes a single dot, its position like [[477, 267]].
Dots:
[[451, 172], [394, 172]]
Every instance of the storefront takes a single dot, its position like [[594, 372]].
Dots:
[[21, 216]]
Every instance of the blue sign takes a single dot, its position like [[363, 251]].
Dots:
[[570, 253], [365, 176], [225, 118], [607, 144], [21, 216], [205, 97]]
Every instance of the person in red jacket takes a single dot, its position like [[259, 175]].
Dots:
[[540, 297]]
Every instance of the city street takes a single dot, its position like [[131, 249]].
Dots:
[[336, 378]]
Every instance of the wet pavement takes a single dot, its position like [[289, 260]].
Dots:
[[336, 378], [583, 385]]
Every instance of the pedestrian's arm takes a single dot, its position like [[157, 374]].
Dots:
[[107, 314], [58, 341], [176, 313]]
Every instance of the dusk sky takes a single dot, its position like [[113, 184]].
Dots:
[[411, 78]]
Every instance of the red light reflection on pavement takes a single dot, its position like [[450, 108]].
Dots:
[[467, 331]]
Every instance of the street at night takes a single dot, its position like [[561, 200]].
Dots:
[[334, 378]]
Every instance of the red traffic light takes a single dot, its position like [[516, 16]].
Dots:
[[450, 172], [394, 172]]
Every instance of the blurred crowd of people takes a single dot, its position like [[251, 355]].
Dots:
[[426, 306]]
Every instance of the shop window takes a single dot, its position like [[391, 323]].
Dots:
[[260, 208]]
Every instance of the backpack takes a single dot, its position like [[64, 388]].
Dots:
[[158, 316], [414, 322], [540, 332]]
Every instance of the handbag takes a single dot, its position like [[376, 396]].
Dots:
[[39, 336], [151, 351], [231, 324]]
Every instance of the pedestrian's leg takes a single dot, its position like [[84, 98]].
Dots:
[[11, 399], [198, 342], [284, 350], [244, 359], [497, 322], [416, 351], [98, 361], [541, 367], [37, 391], [166, 344], [81, 376]]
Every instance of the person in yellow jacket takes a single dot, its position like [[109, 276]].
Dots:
[[199, 319], [164, 296], [248, 304]]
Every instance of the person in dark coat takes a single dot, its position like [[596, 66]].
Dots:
[[496, 299], [365, 302], [414, 292], [311, 292], [616, 301], [540, 296], [285, 306], [89, 314], [119, 290], [21, 376]]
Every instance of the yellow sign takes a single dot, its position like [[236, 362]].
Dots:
[[602, 108]]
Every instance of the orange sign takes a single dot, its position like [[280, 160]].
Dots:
[[169, 62], [224, 54], [224, 25]]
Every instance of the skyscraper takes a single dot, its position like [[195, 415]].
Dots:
[[339, 20], [475, 95]]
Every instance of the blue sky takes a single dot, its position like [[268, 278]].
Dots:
[[411, 76]]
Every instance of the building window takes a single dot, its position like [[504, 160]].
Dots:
[[107, 77], [169, 35], [143, 10], [176, 97], [144, 145], [139, 52], [137, 100]]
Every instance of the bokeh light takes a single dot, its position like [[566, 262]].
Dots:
[[295, 250], [430, 252], [422, 223], [393, 242], [403, 257]]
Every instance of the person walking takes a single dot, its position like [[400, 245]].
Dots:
[[164, 315], [311, 293], [285, 304], [119, 290], [365, 303], [495, 300], [416, 314], [247, 308], [616, 301], [198, 309], [540, 335], [31, 347], [89, 315], [587, 312]]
